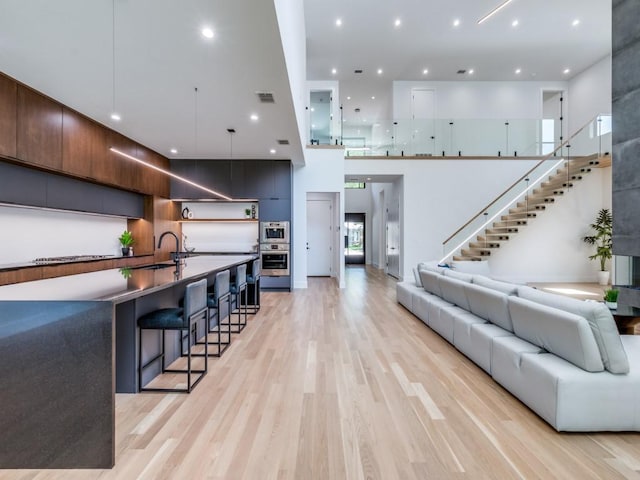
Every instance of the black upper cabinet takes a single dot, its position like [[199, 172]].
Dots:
[[22, 186], [260, 179], [282, 179]]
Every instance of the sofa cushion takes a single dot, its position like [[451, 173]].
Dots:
[[453, 291], [431, 266], [600, 320], [565, 334], [504, 287], [464, 277], [430, 281], [489, 304], [416, 277], [473, 267]]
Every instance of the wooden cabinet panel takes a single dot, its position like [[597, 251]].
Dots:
[[39, 124], [118, 170], [153, 182], [84, 145], [8, 112]]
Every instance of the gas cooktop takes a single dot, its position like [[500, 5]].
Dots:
[[71, 258]]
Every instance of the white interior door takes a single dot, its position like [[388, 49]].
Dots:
[[319, 233], [393, 239], [423, 110]]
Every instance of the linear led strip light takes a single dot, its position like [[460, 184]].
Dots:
[[494, 11], [167, 172]]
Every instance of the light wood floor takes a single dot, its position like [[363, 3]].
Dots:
[[330, 384]]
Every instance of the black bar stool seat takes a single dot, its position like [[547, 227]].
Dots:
[[253, 278], [239, 290], [182, 320]]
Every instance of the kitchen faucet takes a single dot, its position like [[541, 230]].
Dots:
[[175, 255]]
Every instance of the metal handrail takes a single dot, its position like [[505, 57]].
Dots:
[[544, 159]]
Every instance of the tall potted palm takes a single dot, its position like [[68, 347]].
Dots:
[[601, 239]]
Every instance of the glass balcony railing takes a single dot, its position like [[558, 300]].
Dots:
[[503, 215], [463, 137]]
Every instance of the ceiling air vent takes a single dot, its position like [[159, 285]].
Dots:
[[283, 142], [357, 71], [265, 97], [461, 72]]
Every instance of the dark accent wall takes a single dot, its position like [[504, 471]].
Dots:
[[626, 127]]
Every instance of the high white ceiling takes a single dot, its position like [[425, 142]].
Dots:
[[542, 45], [65, 48]]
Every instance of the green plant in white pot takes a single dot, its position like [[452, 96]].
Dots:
[[601, 239], [126, 241], [611, 298]]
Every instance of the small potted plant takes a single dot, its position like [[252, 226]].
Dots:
[[247, 213], [611, 298], [126, 241], [602, 227]]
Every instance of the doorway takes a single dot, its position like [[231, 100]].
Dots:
[[354, 238]]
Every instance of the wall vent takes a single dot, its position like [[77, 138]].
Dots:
[[265, 97], [461, 72], [283, 142], [357, 71]]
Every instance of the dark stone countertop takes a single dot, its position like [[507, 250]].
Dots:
[[119, 285]]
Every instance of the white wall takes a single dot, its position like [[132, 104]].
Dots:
[[487, 100], [551, 249], [32, 233], [323, 172], [358, 200], [590, 94], [290, 15], [438, 196]]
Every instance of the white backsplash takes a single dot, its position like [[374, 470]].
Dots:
[[29, 233]]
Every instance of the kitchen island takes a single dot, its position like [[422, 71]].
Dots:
[[68, 344]]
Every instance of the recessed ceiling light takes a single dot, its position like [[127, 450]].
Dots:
[[338, 22], [115, 116], [566, 71], [174, 151], [515, 23], [425, 71], [334, 71], [348, 98], [373, 98], [456, 22], [313, 125], [471, 71], [518, 71], [379, 71], [575, 23], [398, 22], [254, 117], [368, 178], [207, 32], [313, 109], [272, 151], [364, 119]]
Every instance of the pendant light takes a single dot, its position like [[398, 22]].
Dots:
[[115, 116]]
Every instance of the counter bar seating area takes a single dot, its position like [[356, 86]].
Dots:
[[182, 320], [239, 290]]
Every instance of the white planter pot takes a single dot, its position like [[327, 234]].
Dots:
[[612, 305], [603, 278]]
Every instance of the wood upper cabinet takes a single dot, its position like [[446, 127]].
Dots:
[[39, 129], [152, 181], [84, 147], [117, 169], [8, 109]]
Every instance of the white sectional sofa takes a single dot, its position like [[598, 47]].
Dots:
[[562, 357]]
